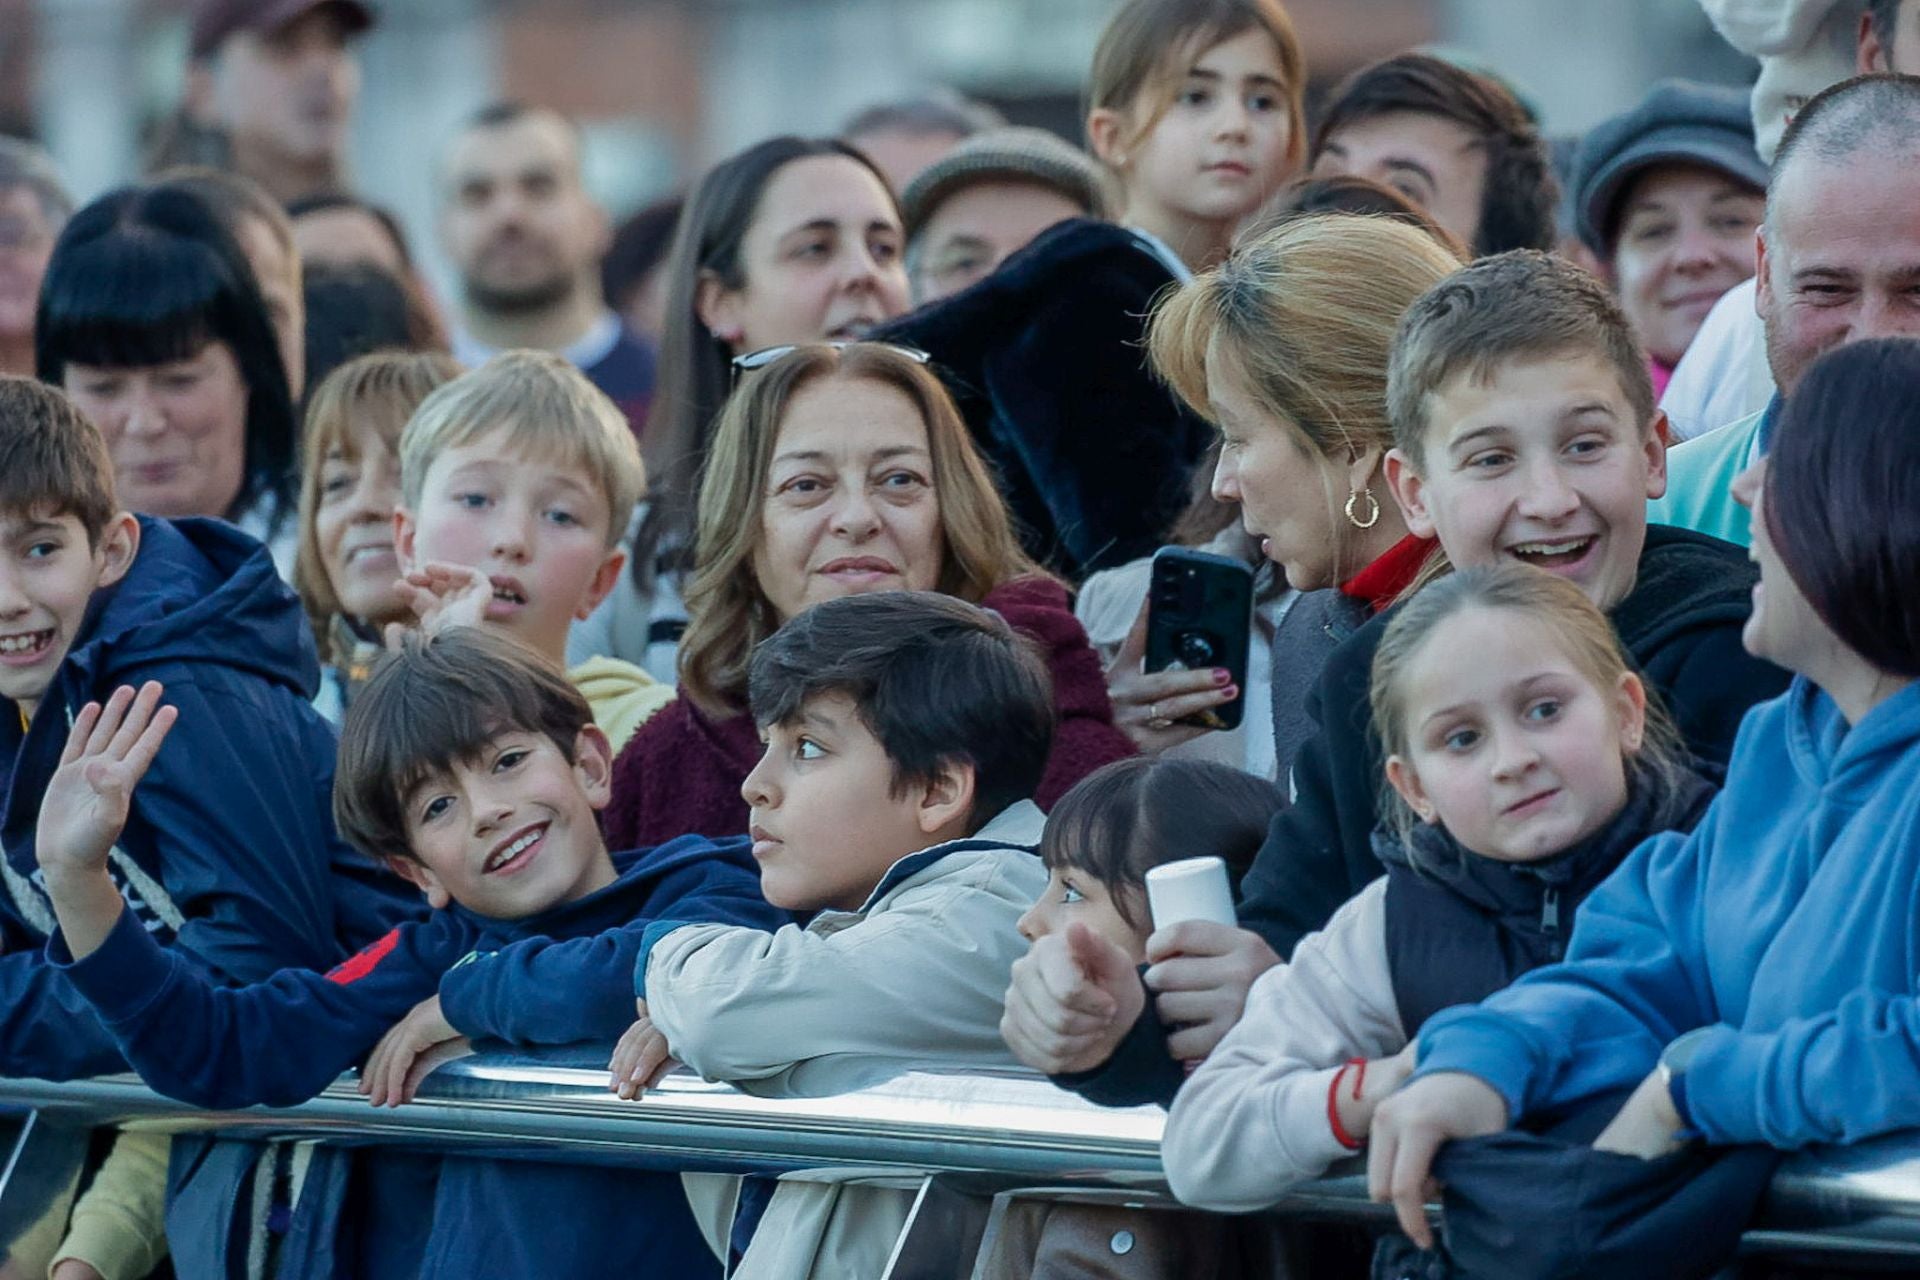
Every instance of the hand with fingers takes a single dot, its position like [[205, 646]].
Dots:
[[640, 1059], [1072, 999], [1200, 973], [1409, 1129], [86, 804], [1647, 1126], [446, 595], [408, 1054], [1150, 707]]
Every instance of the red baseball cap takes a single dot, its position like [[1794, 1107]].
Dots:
[[215, 20]]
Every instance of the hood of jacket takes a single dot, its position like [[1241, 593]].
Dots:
[[1685, 581], [1848, 762], [1514, 891]]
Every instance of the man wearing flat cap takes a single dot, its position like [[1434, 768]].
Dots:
[[272, 87]]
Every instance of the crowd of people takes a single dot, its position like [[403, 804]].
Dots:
[[722, 639]]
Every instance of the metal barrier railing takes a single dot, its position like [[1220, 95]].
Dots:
[[961, 1136]]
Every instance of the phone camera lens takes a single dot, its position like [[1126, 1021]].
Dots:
[[1195, 649]]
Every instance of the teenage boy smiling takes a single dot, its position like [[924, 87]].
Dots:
[[1526, 429], [474, 769]]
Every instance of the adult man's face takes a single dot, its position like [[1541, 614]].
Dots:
[[1839, 258], [26, 243], [1438, 164], [977, 228], [1901, 53], [514, 217], [289, 91]]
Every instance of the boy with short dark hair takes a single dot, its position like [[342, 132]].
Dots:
[[1527, 431], [473, 768], [905, 733]]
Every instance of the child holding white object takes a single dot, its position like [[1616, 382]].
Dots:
[[1530, 763]]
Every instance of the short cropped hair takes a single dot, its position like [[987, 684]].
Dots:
[[434, 703], [1886, 19], [548, 410], [1843, 497], [1519, 305], [1875, 118], [937, 111], [1125, 818], [1519, 200], [937, 680], [53, 462]]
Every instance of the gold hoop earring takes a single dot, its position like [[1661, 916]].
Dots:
[[1373, 509]]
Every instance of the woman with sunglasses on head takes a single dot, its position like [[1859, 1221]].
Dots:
[[837, 469], [792, 240]]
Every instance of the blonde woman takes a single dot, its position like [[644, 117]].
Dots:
[[836, 470]]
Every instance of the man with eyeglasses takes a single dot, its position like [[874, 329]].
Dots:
[[34, 205]]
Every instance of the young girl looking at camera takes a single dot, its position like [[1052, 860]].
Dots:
[[1528, 762], [345, 570]]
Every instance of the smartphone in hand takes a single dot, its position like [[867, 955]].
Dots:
[[1200, 616]]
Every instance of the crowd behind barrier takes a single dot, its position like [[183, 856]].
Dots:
[[960, 1138]]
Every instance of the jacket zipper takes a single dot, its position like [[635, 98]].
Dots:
[[1550, 918]]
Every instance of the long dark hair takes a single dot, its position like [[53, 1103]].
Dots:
[[1843, 497], [145, 276], [695, 365]]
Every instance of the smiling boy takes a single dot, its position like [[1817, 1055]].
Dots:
[[474, 769], [517, 482], [1525, 430]]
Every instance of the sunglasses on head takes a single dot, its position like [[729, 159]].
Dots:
[[767, 355]]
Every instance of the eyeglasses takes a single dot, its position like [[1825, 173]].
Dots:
[[767, 355]]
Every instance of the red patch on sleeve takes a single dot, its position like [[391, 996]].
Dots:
[[364, 963]]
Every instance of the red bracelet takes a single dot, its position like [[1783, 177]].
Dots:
[[1340, 1133]]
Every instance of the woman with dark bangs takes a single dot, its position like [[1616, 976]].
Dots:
[[150, 318]]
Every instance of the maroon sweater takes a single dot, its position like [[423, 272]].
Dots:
[[681, 771]]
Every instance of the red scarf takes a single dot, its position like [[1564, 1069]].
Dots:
[[1380, 583]]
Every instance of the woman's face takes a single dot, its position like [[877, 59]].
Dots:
[[353, 528], [822, 260], [1783, 627], [1285, 489], [177, 432], [849, 505], [1686, 237]]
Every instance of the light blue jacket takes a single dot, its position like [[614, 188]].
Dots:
[[1788, 922]]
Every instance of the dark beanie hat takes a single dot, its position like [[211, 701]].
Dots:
[[1678, 122]]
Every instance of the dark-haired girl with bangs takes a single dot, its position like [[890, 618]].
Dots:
[[151, 319], [1752, 983]]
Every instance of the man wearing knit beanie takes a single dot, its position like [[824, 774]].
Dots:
[[986, 199]]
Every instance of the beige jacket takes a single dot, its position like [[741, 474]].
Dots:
[[917, 977], [1252, 1121]]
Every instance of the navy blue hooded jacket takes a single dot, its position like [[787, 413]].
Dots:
[[230, 852], [284, 1040]]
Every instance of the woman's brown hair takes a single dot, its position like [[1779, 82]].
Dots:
[[728, 613], [1144, 51], [377, 392]]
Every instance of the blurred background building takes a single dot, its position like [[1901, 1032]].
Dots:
[[662, 87]]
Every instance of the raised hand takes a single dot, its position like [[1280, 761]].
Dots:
[[1200, 978], [446, 595], [85, 808], [1072, 999]]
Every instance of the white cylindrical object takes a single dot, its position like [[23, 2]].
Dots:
[[1190, 889]]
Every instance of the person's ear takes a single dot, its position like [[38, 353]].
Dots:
[[1104, 135], [1363, 466], [947, 797], [1409, 494], [1762, 277], [1654, 444], [118, 545], [1406, 782], [1870, 57], [196, 96], [404, 529], [421, 877], [1630, 706], [719, 309], [593, 764], [605, 578]]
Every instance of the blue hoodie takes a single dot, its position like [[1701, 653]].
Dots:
[[284, 1040], [1786, 924], [230, 852]]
